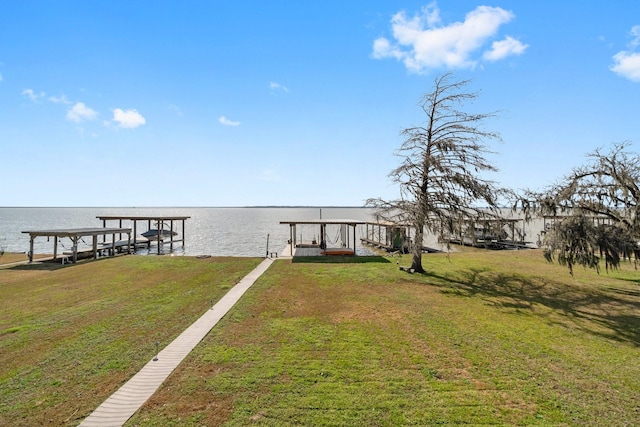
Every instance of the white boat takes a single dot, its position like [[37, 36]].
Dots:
[[155, 234]]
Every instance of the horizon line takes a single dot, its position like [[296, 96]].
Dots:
[[184, 207]]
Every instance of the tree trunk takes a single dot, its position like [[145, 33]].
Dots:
[[416, 263]]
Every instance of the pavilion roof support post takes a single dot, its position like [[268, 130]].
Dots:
[[295, 236], [55, 247], [74, 247], [171, 231], [354, 239], [149, 241], [31, 248], [346, 242], [94, 244], [135, 233]]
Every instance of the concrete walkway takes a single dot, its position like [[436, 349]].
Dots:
[[122, 404]]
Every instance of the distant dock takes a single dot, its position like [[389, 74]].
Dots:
[[391, 237], [109, 241], [76, 234], [169, 230]]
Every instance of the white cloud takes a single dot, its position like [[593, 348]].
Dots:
[[80, 112], [32, 95], [627, 62], [59, 99], [423, 42], [503, 48], [277, 86], [128, 119], [432, 14], [635, 32], [382, 48], [228, 122], [37, 97]]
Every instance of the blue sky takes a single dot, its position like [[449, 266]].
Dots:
[[244, 103]]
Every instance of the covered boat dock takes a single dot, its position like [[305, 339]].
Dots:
[[320, 244], [489, 233], [76, 235], [166, 228], [388, 235]]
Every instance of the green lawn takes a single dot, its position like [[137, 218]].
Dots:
[[499, 338], [485, 338], [71, 335]]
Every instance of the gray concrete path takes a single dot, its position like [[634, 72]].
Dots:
[[122, 404]]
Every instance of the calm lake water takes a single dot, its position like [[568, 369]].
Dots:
[[209, 231]]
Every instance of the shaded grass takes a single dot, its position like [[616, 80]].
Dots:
[[485, 338], [71, 335], [341, 259]]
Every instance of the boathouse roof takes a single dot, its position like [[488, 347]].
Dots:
[[324, 221], [77, 232], [143, 218]]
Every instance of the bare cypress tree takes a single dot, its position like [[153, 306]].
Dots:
[[598, 210], [441, 160]]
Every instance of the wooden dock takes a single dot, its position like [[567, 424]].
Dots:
[[173, 224], [109, 241], [75, 235], [487, 233], [389, 248], [391, 237]]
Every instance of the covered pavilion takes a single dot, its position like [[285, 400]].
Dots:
[[321, 246]]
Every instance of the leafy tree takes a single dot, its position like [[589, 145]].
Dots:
[[441, 162], [597, 211]]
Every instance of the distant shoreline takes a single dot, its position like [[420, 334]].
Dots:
[[189, 207]]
